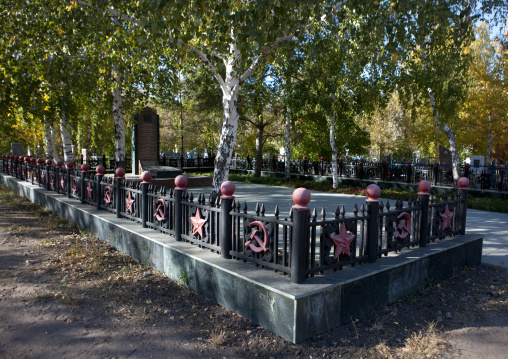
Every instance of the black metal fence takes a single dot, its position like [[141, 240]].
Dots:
[[301, 244], [484, 177]]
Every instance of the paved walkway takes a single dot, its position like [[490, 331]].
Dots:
[[493, 226]]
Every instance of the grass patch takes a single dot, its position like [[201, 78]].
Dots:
[[488, 204]]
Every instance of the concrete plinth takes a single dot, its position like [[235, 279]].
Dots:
[[293, 311]]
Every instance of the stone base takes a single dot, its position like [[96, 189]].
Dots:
[[293, 311]]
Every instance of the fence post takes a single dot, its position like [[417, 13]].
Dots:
[[15, 166], [467, 167], [423, 196], [69, 165], [199, 165], [181, 161], [409, 172], [341, 166], [228, 189], [48, 166], [33, 161], [22, 167], [146, 177], [501, 177], [248, 162], [100, 170], [119, 176], [21, 160], [300, 237], [84, 171], [3, 163], [436, 173], [59, 165], [180, 187], [463, 183], [361, 171], [373, 192], [305, 165]]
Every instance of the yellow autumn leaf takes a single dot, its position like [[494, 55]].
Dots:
[[47, 108]]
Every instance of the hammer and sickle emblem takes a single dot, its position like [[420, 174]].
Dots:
[[161, 213], [255, 236], [404, 226]]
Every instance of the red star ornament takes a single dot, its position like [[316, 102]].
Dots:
[[197, 223], [129, 202], [342, 242], [446, 218], [62, 183]]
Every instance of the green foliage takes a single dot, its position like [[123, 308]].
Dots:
[[488, 204]]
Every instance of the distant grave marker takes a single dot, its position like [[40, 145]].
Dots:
[[145, 140], [17, 149], [445, 156]]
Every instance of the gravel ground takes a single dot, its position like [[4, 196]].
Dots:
[[65, 294]]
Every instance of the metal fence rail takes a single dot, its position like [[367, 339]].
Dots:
[[302, 245]]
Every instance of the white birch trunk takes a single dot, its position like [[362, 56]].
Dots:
[[119, 124], [489, 145], [452, 141], [334, 150], [227, 139], [50, 139], [66, 137], [287, 146]]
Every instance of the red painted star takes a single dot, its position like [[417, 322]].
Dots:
[[89, 190], [342, 242], [129, 202], [62, 183], [446, 218], [197, 223]]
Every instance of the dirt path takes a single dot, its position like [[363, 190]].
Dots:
[[64, 294]]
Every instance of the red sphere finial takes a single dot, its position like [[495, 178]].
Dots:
[[436, 164], [463, 183], [49, 162], [100, 170], [120, 172], [373, 192], [33, 161], [501, 168], [228, 189], [424, 186], [181, 182], [409, 162], [146, 176], [301, 197], [59, 164], [40, 161], [70, 165], [85, 167]]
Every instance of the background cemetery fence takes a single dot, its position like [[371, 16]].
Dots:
[[488, 177], [301, 245], [481, 177]]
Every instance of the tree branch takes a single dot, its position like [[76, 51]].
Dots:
[[267, 50], [113, 12]]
